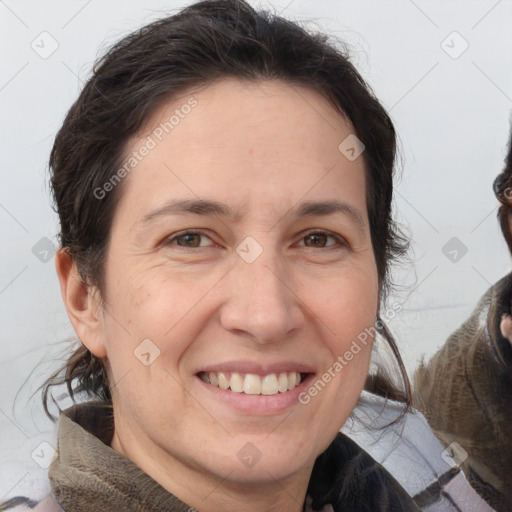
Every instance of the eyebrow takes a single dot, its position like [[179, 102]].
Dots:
[[210, 207]]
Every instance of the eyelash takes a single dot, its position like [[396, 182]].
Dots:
[[340, 241]]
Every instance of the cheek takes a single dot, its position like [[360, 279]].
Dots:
[[348, 314], [154, 318], [348, 306], [151, 301], [146, 344], [348, 322]]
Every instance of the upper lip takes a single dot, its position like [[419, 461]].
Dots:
[[257, 368]]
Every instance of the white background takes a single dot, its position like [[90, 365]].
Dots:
[[452, 115]]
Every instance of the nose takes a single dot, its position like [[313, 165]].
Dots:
[[261, 302]]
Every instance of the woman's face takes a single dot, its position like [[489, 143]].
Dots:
[[259, 282]]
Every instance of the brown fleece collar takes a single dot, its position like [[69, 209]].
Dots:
[[89, 476], [109, 477]]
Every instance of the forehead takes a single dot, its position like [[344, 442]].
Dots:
[[244, 142]]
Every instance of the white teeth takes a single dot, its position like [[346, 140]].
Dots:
[[291, 380], [213, 378], [235, 383], [283, 382], [252, 384], [269, 385], [223, 382]]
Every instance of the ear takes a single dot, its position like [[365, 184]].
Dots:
[[82, 304]]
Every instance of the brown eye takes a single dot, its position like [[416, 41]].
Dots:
[[319, 239], [190, 240], [316, 239]]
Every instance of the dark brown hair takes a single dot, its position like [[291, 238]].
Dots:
[[205, 41], [503, 190]]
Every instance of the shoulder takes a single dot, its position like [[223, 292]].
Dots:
[[412, 454], [24, 504], [348, 478]]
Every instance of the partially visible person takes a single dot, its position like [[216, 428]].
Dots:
[[465, 390]]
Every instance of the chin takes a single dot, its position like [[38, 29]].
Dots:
[[259, 461]]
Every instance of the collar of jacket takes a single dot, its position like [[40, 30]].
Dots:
[[88, 475]]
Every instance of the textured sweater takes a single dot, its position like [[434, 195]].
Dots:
[[465, 391]]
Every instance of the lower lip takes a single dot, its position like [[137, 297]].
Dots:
[[260, 405]]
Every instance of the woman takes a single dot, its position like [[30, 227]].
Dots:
[[224, 187]]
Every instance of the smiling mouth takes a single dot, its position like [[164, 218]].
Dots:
[[252, 384]]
